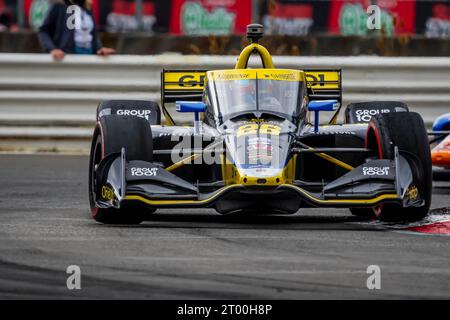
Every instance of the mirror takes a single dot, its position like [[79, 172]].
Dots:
[[190, 106], [323, 105]]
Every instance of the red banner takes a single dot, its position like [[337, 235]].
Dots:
[[350, 17], [289, 18], [122, 17]]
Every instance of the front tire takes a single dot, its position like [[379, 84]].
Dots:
[[406, 131], [111, 134]]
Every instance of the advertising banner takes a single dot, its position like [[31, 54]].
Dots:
[[289, 19], [350, 17], [280, 17], [120, 15], [295, 17], [210, 17]]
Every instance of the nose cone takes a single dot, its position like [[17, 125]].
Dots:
[[261, 176], [259, 155]]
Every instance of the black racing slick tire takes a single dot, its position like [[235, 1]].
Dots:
[[111, 134], [406, 131]]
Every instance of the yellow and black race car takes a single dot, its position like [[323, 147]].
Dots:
[[256, 146]]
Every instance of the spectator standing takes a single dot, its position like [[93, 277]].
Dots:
[[6, 19], [59, 36]]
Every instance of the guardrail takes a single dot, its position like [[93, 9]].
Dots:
[[53, 99]]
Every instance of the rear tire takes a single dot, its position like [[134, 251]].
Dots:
[[111, 134], [407, 132]]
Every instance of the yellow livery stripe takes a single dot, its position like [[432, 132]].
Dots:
[[298, 189], [179, 202], [340, 201]]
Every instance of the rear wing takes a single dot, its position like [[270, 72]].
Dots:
[[188, 85], [325, 84]]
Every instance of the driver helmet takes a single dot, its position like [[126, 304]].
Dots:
[[268, 94], [247, 90]]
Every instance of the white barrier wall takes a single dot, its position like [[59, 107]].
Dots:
[[40, 97]]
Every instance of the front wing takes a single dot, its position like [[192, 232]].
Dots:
[[368, 185]]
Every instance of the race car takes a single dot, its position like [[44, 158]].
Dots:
[[257, 145], [440, 154]]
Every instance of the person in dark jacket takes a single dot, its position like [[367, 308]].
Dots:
[[59, 35]]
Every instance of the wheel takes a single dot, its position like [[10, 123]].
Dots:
[[407, 132], [111, 134], [148, 110], [362, 112]]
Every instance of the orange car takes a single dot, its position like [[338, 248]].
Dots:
[[440, 154]]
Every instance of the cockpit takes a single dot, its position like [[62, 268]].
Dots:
[[236, 92]]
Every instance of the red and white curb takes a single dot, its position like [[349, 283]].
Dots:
[[437, 222]]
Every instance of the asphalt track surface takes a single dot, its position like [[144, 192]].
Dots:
[[197, 254]]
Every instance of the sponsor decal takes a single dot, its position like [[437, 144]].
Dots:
[[335, 132], [138, 113], [186, 80], [412, 193], [282, 76], [247, 74], [365, 115], [190, 81], [144, 172], [107, 193], [259, 151], [375, 171], [232, 76], [176, 135]]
